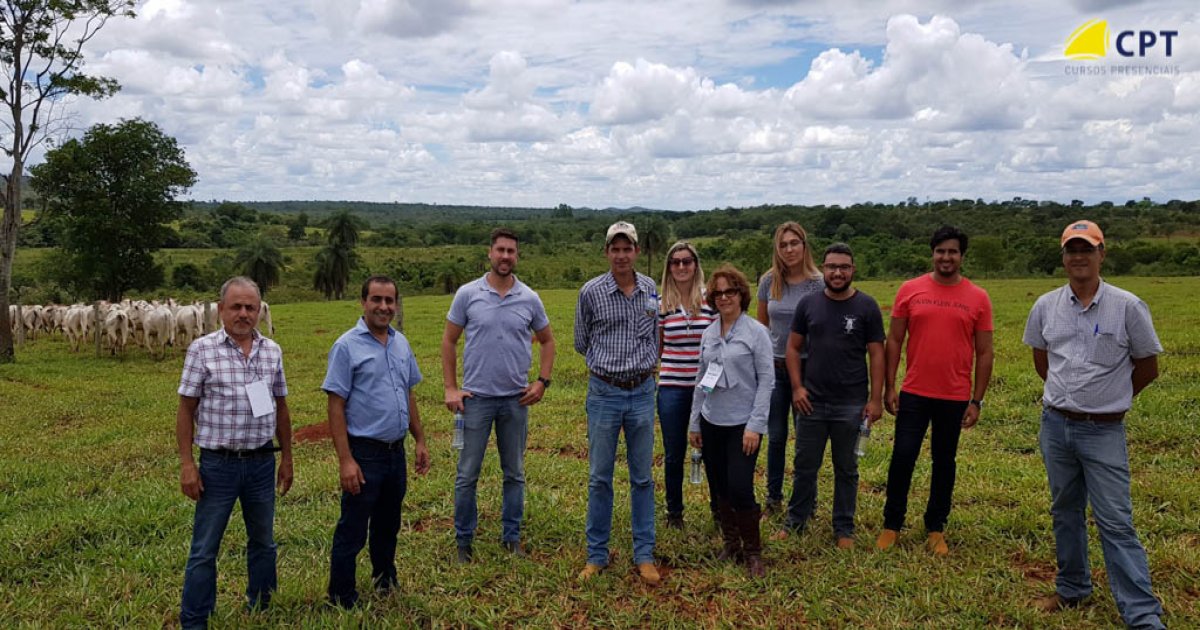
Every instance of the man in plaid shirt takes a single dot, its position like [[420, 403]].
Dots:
[[232, 401]]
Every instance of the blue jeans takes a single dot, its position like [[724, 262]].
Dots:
[[943, 420], [837, 424], [512, 427], [674, 412], [1087, 462], [610, 410], [777, 434], [374, 510], [227, 480]]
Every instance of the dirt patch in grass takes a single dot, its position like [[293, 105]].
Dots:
[[318, 432], [1033, 571]]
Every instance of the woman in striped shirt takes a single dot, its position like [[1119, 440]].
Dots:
[[682, 317]]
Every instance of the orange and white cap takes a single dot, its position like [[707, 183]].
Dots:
[[1085, 230]]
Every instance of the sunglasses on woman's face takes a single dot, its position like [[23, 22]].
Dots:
[[683, 262], [727, 293]]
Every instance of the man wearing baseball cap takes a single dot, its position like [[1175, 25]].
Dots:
[[616, 330], [1095, 347]]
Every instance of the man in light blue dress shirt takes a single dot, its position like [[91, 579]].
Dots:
[[369, 382]]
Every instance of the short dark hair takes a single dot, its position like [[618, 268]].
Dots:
[[378, 279], [838, 248], [503, 232], [734, 278], [949, 233]]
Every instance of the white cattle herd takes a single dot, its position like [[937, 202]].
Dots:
[[156, 326]]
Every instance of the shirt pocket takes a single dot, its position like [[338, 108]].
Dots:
[[1108, 350]]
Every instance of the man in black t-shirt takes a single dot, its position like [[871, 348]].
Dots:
[[833, 392]]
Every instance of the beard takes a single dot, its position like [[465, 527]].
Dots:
[[839, 290]]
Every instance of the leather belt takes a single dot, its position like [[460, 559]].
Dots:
[[1089, 417], [781, 364], [397, 445], [233, 453], [625, 383]]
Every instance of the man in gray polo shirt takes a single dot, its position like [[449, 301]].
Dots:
[[1095, 347], [501, 316]]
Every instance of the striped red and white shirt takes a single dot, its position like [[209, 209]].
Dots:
[[681, 345]]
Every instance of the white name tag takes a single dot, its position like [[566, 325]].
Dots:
[[260, 398], [711, 376]]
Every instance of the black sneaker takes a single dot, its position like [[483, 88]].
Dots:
[[465, 553], [514, 547], [675, 521]]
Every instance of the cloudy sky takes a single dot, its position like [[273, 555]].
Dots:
[[675, 104]]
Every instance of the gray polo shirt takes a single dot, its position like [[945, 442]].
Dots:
[[1090, 349], [499, 346], [743, 393], [781, 311]]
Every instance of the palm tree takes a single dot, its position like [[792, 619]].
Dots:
[[261, 261], [333, 267], [653, 235], [341, 229]]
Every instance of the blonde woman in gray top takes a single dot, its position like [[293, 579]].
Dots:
[[792, 275]]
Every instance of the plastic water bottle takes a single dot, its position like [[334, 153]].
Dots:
[[459, 426], [695, 477], [864, 434]]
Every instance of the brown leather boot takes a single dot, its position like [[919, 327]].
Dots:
[[732, 551], [747, 521]]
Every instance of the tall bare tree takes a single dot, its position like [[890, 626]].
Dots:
[[41, 60]]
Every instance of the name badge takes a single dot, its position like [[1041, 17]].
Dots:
[[711, 376], [260, 398]]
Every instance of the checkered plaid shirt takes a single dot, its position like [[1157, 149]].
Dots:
[[216, 372], [616, 333]]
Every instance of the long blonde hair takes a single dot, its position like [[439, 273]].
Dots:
[[672, 297], [779, 270]]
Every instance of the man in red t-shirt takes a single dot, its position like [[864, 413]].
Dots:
[[948, 321]]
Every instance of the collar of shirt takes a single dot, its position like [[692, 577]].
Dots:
[[484, 285], [362, 329], [255, 336], [611, 286], [1095, 298]]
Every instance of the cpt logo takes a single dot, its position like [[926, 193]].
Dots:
[[1090, 41]]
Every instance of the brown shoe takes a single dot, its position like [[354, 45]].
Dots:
[[845, 542], [751, 535], [936, 544], [1054, 602], [781, 535], [886, 539], [589, 571], [649, 573]]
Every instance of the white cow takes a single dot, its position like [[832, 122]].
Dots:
[[189, 323], [33, 320], [158, 331], [77, 323], [264, 319], [117, 329]]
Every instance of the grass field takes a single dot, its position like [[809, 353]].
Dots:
[[94, 531]]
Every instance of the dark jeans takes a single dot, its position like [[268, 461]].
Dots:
[[917, 413], [375, 508], [777, 433], [674, 412], [730, 471], [837, 424], [227, 480]]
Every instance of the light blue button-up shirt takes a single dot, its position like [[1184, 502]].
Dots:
[[374, 379], [742, 394]]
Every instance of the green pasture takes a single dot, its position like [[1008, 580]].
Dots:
[[94, 531]]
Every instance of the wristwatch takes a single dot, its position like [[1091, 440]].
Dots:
[[544, 381], [977, 403]]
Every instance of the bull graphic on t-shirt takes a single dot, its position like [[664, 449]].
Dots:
[[848, 324]]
